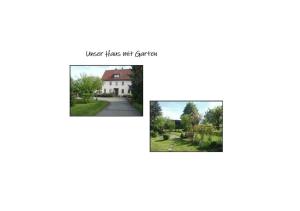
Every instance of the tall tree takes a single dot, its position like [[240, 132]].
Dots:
[[155, 111], [214, 116], [137, 83], [191, 116], [191, 110]]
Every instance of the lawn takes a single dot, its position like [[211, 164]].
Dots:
[[87, 109], [176, 144]]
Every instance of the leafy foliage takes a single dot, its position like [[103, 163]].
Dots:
[[166, 136], [85, 86], [155, 111], [169, 124], [214, 116], [137, 83], [159, 124], [186, 122], [194, 115], [106, 95], [153, 134], [72, 92]]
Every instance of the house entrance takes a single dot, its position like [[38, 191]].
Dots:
[[116, 91]]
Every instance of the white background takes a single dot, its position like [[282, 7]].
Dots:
[[243, 52]]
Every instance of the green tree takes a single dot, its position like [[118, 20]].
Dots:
[[169, 124], [186, 122], [190, 118], [87, 85], [155, 111], [137, 83], [191, 110], [159, 124], [214, 116], [72, 92]]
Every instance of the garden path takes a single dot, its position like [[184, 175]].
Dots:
[[118, 106]]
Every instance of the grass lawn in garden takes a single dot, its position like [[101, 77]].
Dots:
[[87, 109], [176, 144]]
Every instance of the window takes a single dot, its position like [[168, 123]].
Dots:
[[122, 82], [110, 83], [116, 83], [109, 90], [104, 90], [122, 91]]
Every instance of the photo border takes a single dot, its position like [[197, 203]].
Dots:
[[69, 104], [185, 101]]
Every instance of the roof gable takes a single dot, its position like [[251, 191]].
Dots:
[[124, 75]]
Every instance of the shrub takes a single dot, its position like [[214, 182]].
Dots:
[[213, 144], [182, 136], [153, 134], [217, 133], [198, 137], [79, 101], [189, 134], [106, 95], [166, 136], [209, 138]]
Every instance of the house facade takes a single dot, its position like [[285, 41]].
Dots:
[[117, 82]]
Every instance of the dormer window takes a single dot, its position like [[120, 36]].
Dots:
[[116, 75]]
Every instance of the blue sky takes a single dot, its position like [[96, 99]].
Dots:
[[93, 70], [173, 110]]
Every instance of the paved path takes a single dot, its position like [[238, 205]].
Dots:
[[118, 106]]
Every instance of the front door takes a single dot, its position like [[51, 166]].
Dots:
[[116, 91]]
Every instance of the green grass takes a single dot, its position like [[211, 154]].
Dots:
[[176, 144], [87, 109]]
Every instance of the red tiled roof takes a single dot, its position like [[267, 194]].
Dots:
[[124, 75]]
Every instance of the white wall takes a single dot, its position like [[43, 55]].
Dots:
[[109, 88]]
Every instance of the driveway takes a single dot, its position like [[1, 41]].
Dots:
[[118, 106]]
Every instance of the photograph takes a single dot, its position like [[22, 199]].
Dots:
[[186, 126], [106, 90]]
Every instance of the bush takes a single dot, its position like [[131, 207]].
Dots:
[[213, 144], [209, 138], [160, 131], [198, 138], [106, 95], [166, 136], [189, 134], [79, 101], [182, 136], [153, 134], [217, 133]]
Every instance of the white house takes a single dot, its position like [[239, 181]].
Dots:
[[117, 82]]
